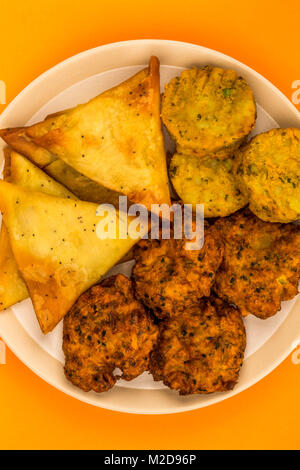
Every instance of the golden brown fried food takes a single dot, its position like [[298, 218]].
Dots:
[[168, 278], [207, 181], [268, 173], [201, 351], [115, 140], [208, 111], [261, 265], [59, 248], [107, 329]]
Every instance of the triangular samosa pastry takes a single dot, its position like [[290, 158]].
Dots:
[[12, 287], [23, 173], [57, 247], [20, 171], [115, 139], [83, 187]]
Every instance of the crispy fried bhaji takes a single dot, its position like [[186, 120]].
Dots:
[[261, 265], [168, 278], [202, 350], [107, 329]]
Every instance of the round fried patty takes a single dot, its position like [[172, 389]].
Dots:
[[168, 278], [208, 111], [261, 265], [201, 351], [268, 173], [206, 181], [107, 329]]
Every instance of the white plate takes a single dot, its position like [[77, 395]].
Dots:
[[75, 81]]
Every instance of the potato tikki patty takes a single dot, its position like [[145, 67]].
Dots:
[[201, 351], [168, 278], [207, 181], [268, 173], [208, 111], [107, 329], [261, 265]]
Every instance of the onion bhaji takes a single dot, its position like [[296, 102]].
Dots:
[[168, 278], [261, 265], [201, 351], [268, 173], [207, 181], [107, 329], [208, 111]]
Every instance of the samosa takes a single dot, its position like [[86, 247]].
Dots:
[[20, 171], [114, 140], [81, 186], [57, 247]]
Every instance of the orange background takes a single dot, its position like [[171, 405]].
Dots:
[[36, 35]]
